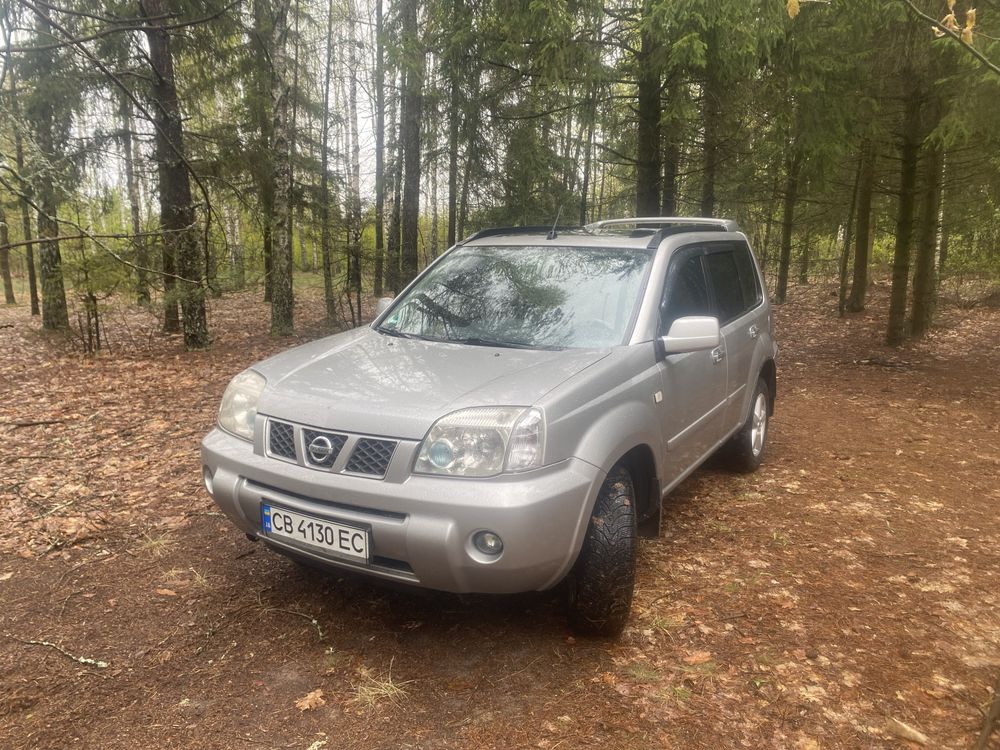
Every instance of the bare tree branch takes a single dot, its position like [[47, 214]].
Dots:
[[123, 25], [84, 233], [209, 210]]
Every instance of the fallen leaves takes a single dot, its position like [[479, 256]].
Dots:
[[697, 657], [165, 592], [311, 701]]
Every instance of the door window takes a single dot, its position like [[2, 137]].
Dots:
[[726, 285], [752, 295], [686, 292]]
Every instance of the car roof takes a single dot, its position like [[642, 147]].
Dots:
[[645, 233]]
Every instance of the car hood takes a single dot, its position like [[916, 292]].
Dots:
[[365, 382]]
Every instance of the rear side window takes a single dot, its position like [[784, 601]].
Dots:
[[734, 280], [748, 276], [726, 285], [686, 292]]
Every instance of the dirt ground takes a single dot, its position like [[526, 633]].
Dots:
[[846, 596]]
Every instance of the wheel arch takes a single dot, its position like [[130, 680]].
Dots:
[[769, 373], [640, 463]]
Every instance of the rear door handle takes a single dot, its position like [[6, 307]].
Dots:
[[754, 331], [718, 354]]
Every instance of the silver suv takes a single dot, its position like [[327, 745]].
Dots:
[[511, 420]]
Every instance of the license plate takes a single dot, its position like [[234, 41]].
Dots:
[[336, 538]]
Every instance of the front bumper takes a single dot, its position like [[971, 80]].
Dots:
[[421, 526]]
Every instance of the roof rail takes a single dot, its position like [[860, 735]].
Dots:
[[657, 237], [725, 225], [501, 231]]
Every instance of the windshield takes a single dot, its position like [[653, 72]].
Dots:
[[533, 297]]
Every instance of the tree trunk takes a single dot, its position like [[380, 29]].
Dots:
[[54, 313], [588, 155], [324, 178], [434, 209], [8, 282], [24, 201], [470, 122], [132, 188], [354, 192], [909, 157], [792, 168], [392, 243], [943, 252], [379, 151], [282, 301], [804, 259], [924, 277], [712, 122], [294, 199], [263, 152], [647, 173], [409, 135], [845, 254], [863, 240], [671, 169], [177, 215], [454, 125], [237, 267]]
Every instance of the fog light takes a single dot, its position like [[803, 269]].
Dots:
[[206, 475], [488, 543]]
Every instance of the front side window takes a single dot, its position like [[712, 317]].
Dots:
[[528, 297], [686, 292]]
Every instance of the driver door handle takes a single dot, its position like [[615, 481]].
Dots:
[[718, 354], [754, 331]]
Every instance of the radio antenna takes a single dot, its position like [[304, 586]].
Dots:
[[552, 233]]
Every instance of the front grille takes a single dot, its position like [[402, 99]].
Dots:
[[371, 457], [281, 439], [336, 442]]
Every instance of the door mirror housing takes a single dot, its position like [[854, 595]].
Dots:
[[691, 334], [382, 305]]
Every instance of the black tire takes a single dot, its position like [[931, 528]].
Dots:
[[745, 450], [599, 590]]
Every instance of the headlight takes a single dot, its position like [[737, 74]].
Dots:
[[238, 411], [482, 442]]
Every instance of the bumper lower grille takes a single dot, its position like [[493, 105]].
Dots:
[[371, 457]]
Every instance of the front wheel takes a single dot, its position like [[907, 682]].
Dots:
[[599, 595], [746, 448]]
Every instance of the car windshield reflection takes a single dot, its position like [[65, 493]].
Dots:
[[534, 297]]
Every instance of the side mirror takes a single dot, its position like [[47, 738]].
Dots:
[[382, 305], [691, 334]]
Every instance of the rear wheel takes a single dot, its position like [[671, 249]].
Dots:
[[599, 596], [745, 449]]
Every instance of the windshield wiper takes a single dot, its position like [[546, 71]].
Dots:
[[476, 341], [400, 334]]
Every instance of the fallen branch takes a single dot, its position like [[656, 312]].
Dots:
[[35, 423], [990, 722], [303, 615], [78, 659]]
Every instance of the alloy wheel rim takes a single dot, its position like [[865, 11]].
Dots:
[[758, 424]]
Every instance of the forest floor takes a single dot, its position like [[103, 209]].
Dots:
[[845, 596]]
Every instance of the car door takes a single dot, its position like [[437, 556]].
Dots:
[[738, 302], [693, 383]]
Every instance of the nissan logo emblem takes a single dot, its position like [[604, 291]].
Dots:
[[320, 449]]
